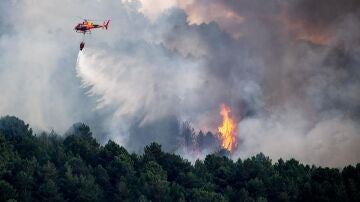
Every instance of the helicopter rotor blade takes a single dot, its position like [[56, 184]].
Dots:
[[95, 20], [81, 18]]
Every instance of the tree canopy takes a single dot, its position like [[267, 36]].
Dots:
[[49, 167]]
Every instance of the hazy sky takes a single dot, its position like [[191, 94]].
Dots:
[[289, 70]]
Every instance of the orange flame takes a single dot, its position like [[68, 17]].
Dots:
[[227, 129]]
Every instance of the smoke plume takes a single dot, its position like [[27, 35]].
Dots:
[[287, 69]]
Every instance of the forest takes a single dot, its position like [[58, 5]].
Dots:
[[75, 167]]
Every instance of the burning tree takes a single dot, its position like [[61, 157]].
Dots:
[[227, 129]]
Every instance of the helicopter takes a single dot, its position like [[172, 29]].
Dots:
[[86, 26]]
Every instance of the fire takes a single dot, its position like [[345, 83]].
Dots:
[[227, 129]]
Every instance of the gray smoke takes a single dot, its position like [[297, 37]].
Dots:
[[288, 70], [304, 101]]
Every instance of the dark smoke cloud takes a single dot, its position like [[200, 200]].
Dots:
[[323, 13]]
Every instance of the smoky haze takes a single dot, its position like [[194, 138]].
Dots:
[[288, 70]]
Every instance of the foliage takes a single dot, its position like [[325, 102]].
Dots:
[[49, 167]]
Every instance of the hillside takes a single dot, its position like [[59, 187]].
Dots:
[[75, 167]]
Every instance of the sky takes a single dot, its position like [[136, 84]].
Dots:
[[289, 71]]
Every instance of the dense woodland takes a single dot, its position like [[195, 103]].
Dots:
[[49, 167]]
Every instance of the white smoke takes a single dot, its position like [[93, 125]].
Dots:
[[294, 99], [332, 141], [139, 86]]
